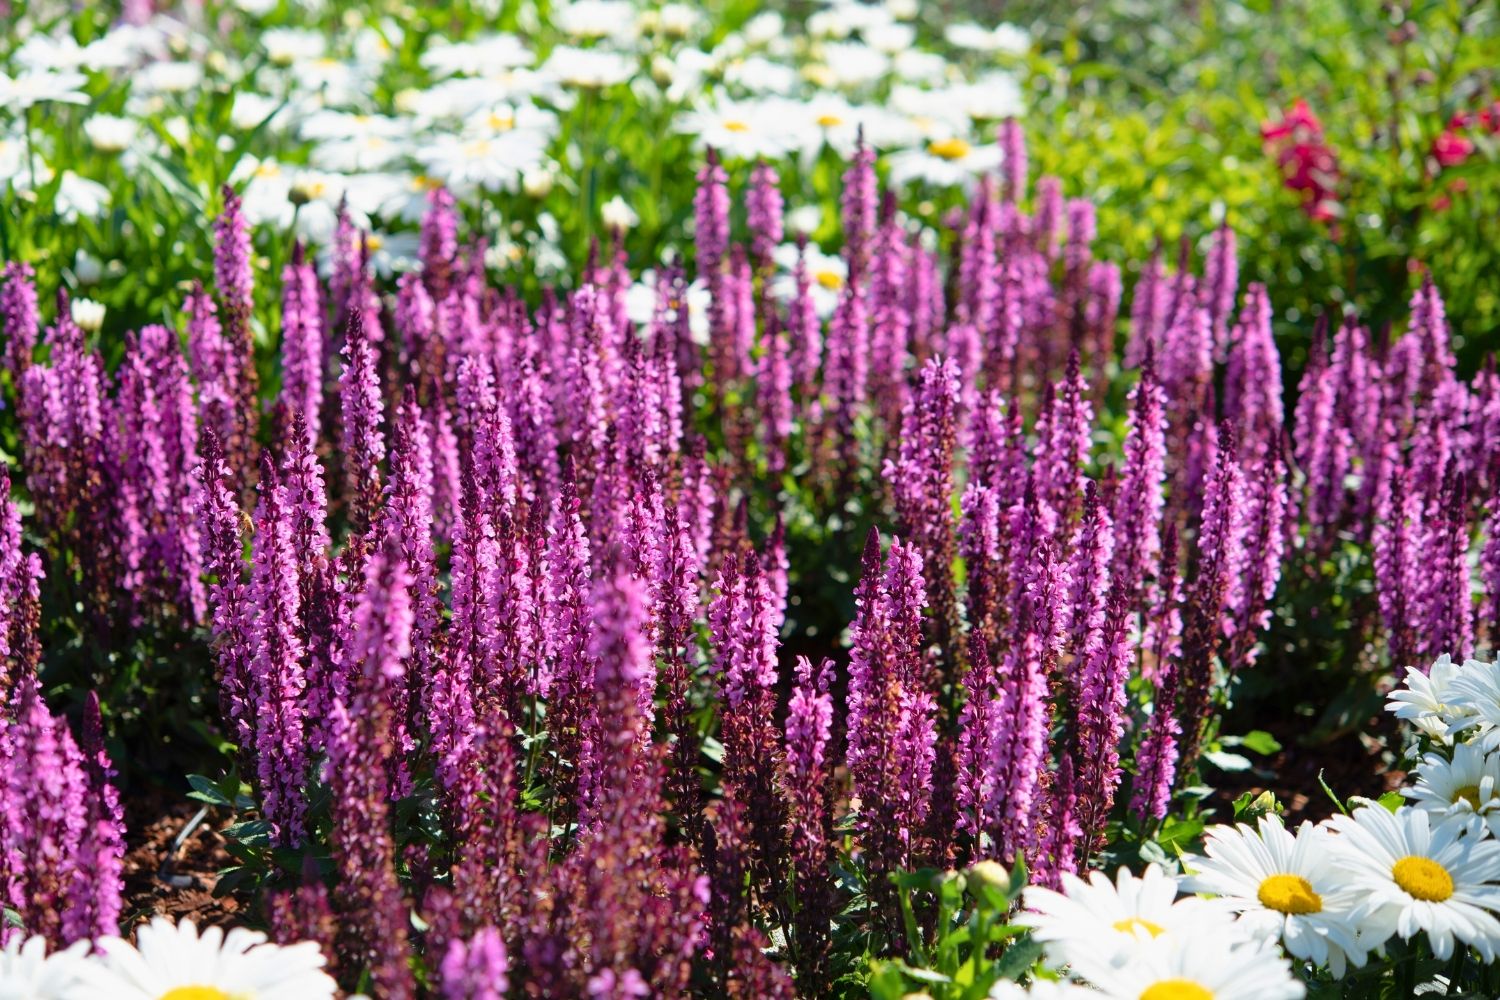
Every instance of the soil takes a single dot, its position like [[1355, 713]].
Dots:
[[1362, 762], [180, 885]]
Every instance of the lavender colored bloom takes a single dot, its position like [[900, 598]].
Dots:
[[1048, 216], [1022, 740], [152, 442], [235, 284], [1014, 165], [891, 725], [228, 597], [277, 679], [1221, 540], [1398, 561], [302, 342], [1448, 613], [1148, 313], [1156, 758], [764, 208], [1064, 436], [1252, 383], [804, 329], [568, 634], [475, 969], [922, 484], [98, 880], [1221, 279], [359, 754], [45, 840], [363, 413], [858, 205], [439, 242], [1138, 501], [1429, 331], [19, 319]]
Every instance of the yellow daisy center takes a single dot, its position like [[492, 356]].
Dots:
[[829, 121], [374, 241], [422, 182], [1469, 794], [1135, 925], [829, 280], [1423, 878], [501, 122], [1289, 894], [735, 125], [949, 149], [1176, 989], [195, 993]]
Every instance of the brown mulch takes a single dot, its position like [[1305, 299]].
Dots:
[[181, 885], [1364, 762]]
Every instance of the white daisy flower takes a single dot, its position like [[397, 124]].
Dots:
[[87, 314], [891, 38], [1108, 921], [285, 46], [477, 56], [27, 972], [369, 152], [110, 133], [1418, 877], [31, 87], [947, 162], [492, 164], [756, 74], [920, 67], [1475, 691], [827, 119], [1203, 963], [1465, 784], [739, 130], [641, 303], [79, 196], [167, 78], [678, 20], [589, 69], [497, 119], [595, 19], [618, 215], [854, 64], [1426, 700], [1283, 887], [178, 962], [990, 98], [826, 276], [764, 28], [251, 109], [1001, 38]]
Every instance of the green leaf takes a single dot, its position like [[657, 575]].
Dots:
[[1260, 742], [1392, 800], [207, 790], [1227, 761], [1019, 957], [251, 832]]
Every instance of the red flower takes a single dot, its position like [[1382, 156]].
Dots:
[[1451, 149], [1307, 162]]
